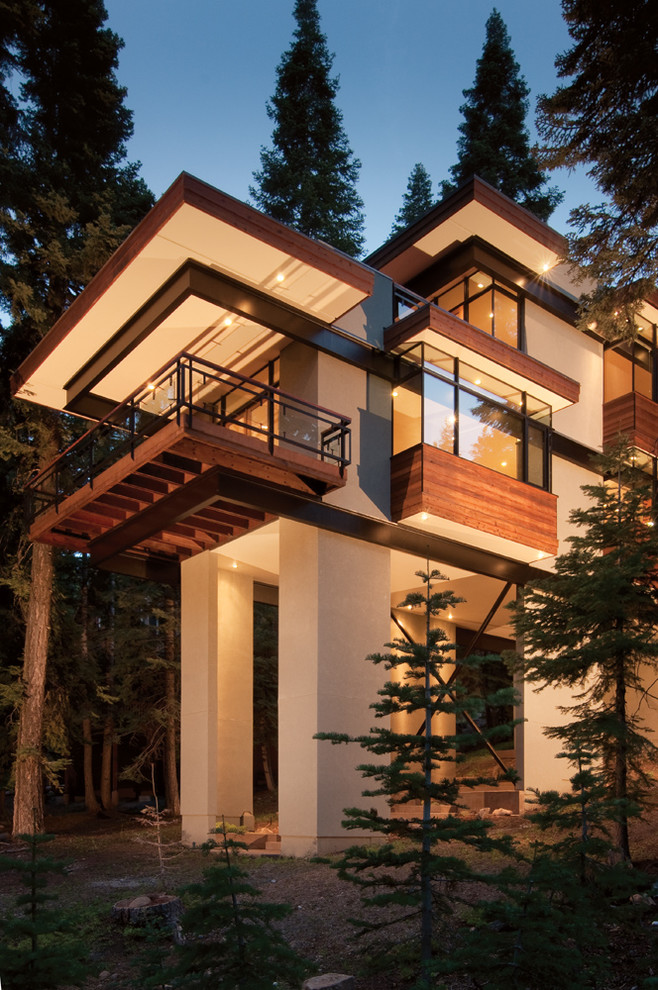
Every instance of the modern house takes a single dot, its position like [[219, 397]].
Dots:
[[276, 421]]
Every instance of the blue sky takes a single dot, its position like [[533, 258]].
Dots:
[[199, 74]]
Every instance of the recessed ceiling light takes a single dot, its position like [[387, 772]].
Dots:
[[280, 277]]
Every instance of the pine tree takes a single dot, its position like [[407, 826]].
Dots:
[[308, 177], [590, 627], [414, 880], [68, 200], [494, 142], [603, 116], [38, 950], [416, 201], [231, 940]]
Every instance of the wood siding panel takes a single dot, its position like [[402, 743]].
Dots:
[[424, 479], [634, 416]]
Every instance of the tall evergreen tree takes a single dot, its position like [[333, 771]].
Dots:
[[308, 177], [494, 142], [68, 200], [416, 201], [415, 880], [591, 627], [603, 116]]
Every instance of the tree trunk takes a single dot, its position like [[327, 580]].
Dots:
[[621, 761], [91, 804], [28, 800], [106, 765], [172, 794]]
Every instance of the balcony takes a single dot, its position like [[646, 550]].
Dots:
[[634, 416], [472, 503], [147, 479]]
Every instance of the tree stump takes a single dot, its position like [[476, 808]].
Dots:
[[330, 981], [143, 910]]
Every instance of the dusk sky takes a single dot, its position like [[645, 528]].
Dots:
[[199, 74]]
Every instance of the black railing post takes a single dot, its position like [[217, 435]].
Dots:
[[189, 395], [90, 462], [270, 421], [132, 424]]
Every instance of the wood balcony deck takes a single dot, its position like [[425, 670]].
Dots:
[[164, 500], [425, 479]]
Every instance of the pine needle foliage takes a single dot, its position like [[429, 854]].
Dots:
[[493, 142], [565, 892], [417, 200], [603, 116], [414, 875], [229, 936], [38, 950], [590, 627], [308, 177]]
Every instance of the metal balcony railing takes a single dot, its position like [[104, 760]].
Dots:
[[193, 391]]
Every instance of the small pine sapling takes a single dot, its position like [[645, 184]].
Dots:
[[230, 938], [38, 950], [415, 873]]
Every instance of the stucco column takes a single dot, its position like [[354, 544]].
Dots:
[[216, 696], [334, 608]]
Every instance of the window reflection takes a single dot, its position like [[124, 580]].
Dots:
[[485, 303]]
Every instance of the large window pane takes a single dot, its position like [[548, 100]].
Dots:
[[536, 458], [480, 311], [439, 414], [506, 318], [407, 406], [490, 436]]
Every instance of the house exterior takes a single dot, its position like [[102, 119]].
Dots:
[[276, 421]]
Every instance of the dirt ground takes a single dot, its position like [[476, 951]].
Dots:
[[108, 860]]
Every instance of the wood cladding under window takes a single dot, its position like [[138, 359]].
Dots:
[[633, 416], [424, 479]]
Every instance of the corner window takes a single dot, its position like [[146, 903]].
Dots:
[[630, 367], [443, 402], [486, 303]]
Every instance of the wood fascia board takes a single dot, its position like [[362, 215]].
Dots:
[[444, 324], [187, 189]]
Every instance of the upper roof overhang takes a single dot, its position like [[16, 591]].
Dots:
[[432, 325], [475, 208], [142, 309]]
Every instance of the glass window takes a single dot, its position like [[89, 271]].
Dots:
[[536, 456], [453, 299], [439, 408], [480, 311], [506, 318], [407, 414], [490, 436]]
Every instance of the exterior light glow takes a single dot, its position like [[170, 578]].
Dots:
[[450, 615], [650, 522], [228, 321], [409, 607], [424, 516], [280, 277], [394, 393], [545, 266], [234, 564], [151, 387]]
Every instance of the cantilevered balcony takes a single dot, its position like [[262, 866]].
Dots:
[[472, 503], [634, 416], [146, 481]]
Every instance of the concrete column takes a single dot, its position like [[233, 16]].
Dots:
[[216, 696], [334, 608]]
